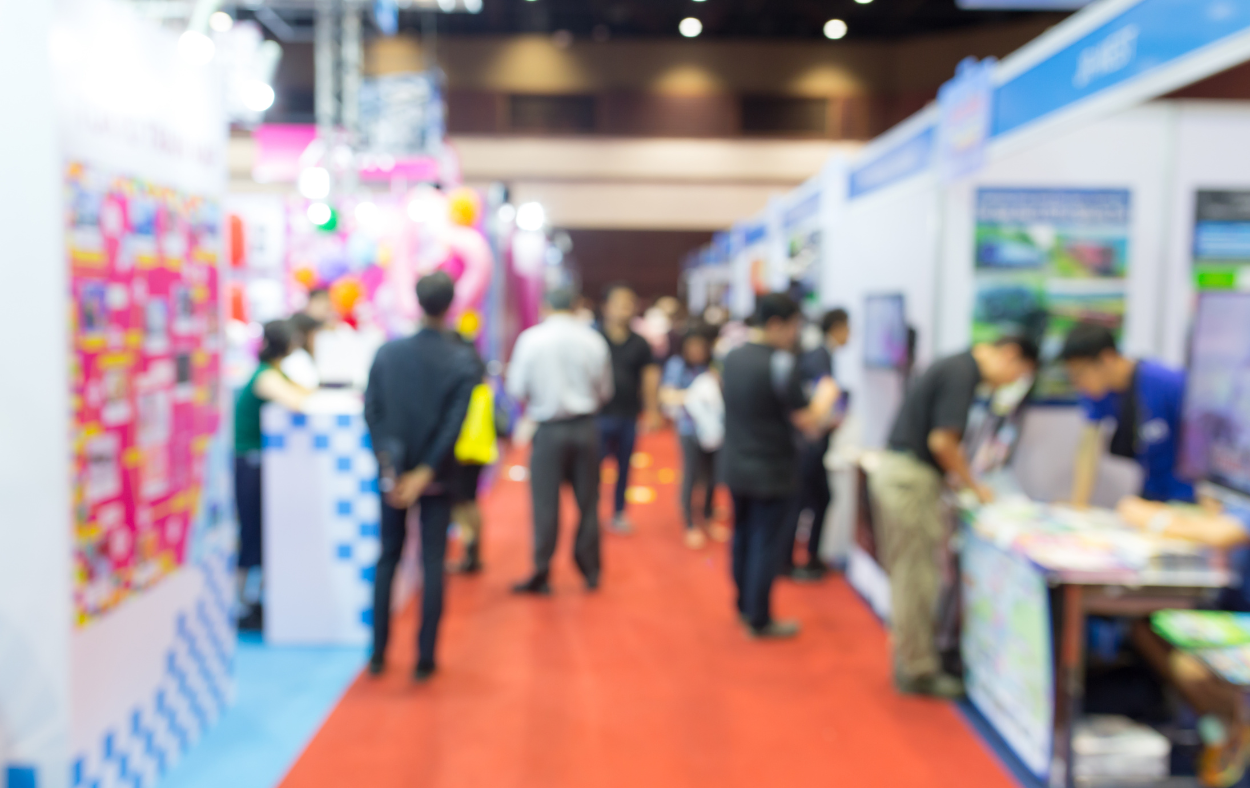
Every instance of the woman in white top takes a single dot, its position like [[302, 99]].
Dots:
[[299, 366]]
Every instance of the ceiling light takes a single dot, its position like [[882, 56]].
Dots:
[[531, 217], [473, 6], [690, 27], [320, 214], [835, 29], [196, 48], [863, 2], [220, 21], [256, 95], [314, 183]]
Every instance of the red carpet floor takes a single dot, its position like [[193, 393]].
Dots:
[[650, 682]]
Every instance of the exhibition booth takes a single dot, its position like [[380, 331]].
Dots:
[[1057, 186]]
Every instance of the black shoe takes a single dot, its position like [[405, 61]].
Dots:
[[423, 673], [774, 630], [933, 685], [471, 565], [254, 621], [536, 585], [376, 666], [592, 582], [807, 574]]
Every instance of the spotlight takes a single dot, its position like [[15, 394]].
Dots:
[[835, 29], [257, 96], [320, 214], [314, 183], [531, 217], [690, 27], [221, 22], [196, 48]]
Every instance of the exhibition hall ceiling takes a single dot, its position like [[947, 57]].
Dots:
[[607, 19]]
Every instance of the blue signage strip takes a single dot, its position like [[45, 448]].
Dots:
[[1151, 34], [801, 211], [753, 234], [900, 162]]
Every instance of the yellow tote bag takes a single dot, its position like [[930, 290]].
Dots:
[[477, 444]]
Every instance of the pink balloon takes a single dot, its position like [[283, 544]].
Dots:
[[479, 262]]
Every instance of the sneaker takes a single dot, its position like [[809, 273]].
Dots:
[[933, 685], [536, 585], [620, 525], [423, 673], [695, 539], [774, 630], [1222, 763], [254, 621]]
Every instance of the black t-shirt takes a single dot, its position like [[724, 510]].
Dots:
[[629, 359], [762, 388], [939, 400]]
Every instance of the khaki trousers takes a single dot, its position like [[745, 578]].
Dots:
[[907, 502]]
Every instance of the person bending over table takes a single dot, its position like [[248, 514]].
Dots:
[[925, 446], [1143, 398], [1227, 752]]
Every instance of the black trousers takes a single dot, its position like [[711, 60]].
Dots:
[[247, 501], [566, 451], [698, 465], [435, 512], [759, 536], [815, 496]]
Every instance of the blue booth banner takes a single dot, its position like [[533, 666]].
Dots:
[[965, 107]]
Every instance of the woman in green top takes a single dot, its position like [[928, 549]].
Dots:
[[268, 384]]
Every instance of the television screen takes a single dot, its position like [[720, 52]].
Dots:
[[885, 332], [1215, 441]]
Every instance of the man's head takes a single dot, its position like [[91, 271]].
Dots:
[[620, 304], [777, 316], [836, 326], [306, 327], [435, 293], [1093, 362], [319, 305], [560, 299], [1008, 360]]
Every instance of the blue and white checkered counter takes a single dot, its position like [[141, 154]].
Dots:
[[322, 523]]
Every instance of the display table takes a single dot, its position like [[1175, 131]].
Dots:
[[322, 524], [1024, 661]]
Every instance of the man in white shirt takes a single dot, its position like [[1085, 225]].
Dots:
[[561, 368]]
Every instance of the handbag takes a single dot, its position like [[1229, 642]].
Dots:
[[478, 444]]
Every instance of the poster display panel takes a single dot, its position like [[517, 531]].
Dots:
[[1222, 240], [804, 250], [1007, 649], [1047, 259]]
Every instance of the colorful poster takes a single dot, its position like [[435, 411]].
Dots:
[[804, 253], [1047, 259], [145, 377], [1007, 649], [1222, 240]]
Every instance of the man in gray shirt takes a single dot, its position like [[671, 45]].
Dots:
[[561, 368]]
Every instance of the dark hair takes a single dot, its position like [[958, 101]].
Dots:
[[774, 306], [276, 344], [834, 318], [611, 289], [305, 325], [435, 293], [561, 299], [705, 331], [1027, 347], [318, 292], [1086, 342]]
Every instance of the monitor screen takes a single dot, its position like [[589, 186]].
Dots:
[[1215, 441], [885, 332]]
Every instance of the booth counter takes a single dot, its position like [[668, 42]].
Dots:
[[322, 523]]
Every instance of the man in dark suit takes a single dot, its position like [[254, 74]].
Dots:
[[814, 492], [416, 401]]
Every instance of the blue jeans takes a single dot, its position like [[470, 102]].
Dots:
[[617, 435], [759, 533]]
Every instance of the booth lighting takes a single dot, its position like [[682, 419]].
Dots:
[[473, 6], [690, 27], [257, 96], [863, 2], [196, 48], [321, 215], [507, 212], [366, 212], [531, 217], [221, 22], [314, 183], [835, 29]]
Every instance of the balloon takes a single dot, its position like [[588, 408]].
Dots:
[[362, 251], [454, 266], [469, 247], [345, 293], [470, 324], [333, 267], [305, 276], [464, 207]]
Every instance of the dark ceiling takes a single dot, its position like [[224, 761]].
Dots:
[[721, 18]]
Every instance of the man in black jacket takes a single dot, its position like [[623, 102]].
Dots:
[[415, 404]]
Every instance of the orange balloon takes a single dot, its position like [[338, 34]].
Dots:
[[464, 207], [345, 293], [306, 277]]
